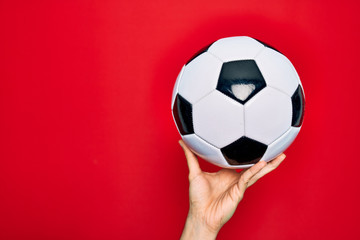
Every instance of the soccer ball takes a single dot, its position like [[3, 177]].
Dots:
[[238, 101]]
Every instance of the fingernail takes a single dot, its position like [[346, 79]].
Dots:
[[180, 144]]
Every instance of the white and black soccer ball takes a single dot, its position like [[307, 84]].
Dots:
[[237, 102]]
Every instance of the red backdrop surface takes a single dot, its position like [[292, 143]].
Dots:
[[88, 147]]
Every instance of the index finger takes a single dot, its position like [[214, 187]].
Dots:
[[249, 173], [272, 165]]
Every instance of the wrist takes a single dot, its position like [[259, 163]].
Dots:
[[196, 228]]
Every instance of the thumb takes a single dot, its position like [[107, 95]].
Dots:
[[192, 161]]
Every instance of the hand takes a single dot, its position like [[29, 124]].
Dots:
[[215, 196]]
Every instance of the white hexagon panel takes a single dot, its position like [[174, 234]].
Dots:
[[268, 115], [200, 77], [235, 48], [218, 119], [277, 71], [205, 150], [280, 144]]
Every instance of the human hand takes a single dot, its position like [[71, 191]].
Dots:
[[215, 196]]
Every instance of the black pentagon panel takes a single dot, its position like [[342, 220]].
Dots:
[[240, 80], [244, 151], [201, 51], [267, 45], [183, 115], [298, 107]]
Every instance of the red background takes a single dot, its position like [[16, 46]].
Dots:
[[88, 147]]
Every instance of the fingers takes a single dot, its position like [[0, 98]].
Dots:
[[270, 166], [193, 164], [248, 174]]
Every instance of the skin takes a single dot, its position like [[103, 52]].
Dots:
[[215, 196]]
